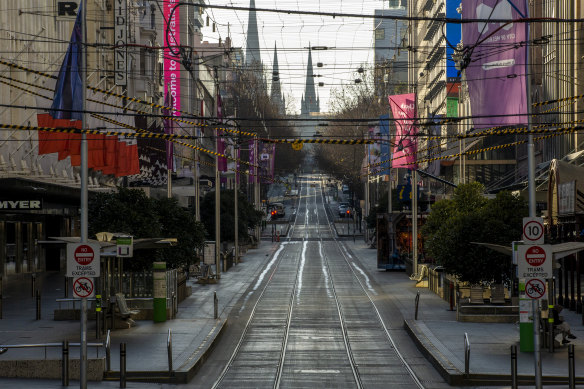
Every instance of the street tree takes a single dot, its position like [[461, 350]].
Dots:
[[469, 217], [248, 217], [131, 212]]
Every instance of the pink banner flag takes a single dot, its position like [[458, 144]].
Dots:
[[405, 144]]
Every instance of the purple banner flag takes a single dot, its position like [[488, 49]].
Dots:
[[497, 68], [405, 144]]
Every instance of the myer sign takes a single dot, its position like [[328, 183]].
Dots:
[[20, 204]]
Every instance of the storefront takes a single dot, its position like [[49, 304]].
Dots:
[[30, 212]]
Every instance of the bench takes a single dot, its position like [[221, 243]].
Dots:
[[206, 276], [123, 312], [498, 294], [421, 275], [476, 295]]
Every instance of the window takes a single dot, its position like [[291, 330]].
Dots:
[[143, 56], [379, 33], [153, 17]]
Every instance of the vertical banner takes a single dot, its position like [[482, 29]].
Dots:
[[168, 129], [405, 144], [252, 161], [434, 146], [120, 41], [496, 73], [374, 153], [172, 62], [383, 145]]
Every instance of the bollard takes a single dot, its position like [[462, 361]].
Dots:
[[514, 366], [108, 349], [571, 367], [169, 350], [38, 305], [65, 367], [33, 284], [451, 298], [174, 305], [417, 303], [122, 365], [66, 289], [0, 296], [216, 303]]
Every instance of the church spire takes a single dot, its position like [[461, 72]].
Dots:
[[310, 102], [276, 92], [252, 51]]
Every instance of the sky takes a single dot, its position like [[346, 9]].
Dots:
[[350, 40]]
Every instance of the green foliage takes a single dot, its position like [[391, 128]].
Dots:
[[131, 212], [248, 217], [470, 217]]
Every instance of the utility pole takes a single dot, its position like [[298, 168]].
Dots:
[[84, 194], [257, 183], [196, 178], [217, 187], [236, 200]]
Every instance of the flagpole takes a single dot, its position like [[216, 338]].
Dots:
[[84, 194]]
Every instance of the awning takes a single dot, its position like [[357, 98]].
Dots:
[[559, 250]]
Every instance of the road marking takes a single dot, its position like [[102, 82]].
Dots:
[[314, 371]]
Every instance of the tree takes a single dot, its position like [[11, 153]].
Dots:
[[470, 217], [248, 217], [131, 212]]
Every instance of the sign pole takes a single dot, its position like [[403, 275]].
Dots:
[[84, 195]]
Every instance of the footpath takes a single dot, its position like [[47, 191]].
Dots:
[[194, 330], [436, 332], [440, 336]]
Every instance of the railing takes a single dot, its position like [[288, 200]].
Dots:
[[466, 354]]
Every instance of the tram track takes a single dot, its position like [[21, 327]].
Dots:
[[309, 341]]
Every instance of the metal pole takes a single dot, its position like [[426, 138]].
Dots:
[[415, 220], [1, 287], [536, 344], [217, 206], [38, 305], [215, 305], [257, 184], [417, 304], [514, 366], [169, 349], [84, 194], [196, 175], [122, 365], [571, 367], [65, 364], [236, 200], [33, 284]]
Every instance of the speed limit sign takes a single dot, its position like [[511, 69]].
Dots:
[[533, 230]]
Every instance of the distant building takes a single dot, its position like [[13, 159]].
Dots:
[[391, 59]]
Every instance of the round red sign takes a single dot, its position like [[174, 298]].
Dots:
[[535, 256], [84, 255]]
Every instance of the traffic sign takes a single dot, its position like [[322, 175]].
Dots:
[[534, 261], [83, 287], [125, 246], [535, 288], [83, 260], [533, 230]]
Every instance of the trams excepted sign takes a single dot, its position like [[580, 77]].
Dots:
[[83, 260], [534, 261], [83, 287], [533, 230]]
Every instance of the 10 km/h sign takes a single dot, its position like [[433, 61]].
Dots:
[[533, 230], [83, 260]]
